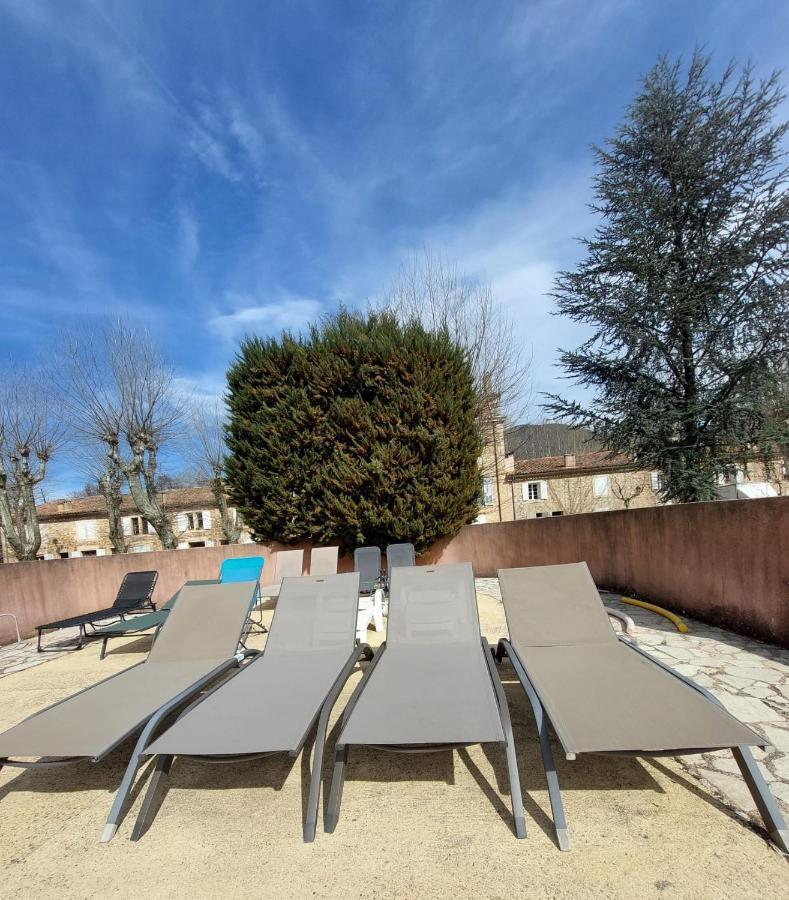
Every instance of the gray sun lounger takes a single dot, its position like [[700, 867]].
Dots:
[[433, 685], [399, 555], [323, 560], [367, 562], [288, 564], [196, 644], [603, 694], [272, 704]]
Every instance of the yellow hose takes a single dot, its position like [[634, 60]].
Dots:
[[681, 626]]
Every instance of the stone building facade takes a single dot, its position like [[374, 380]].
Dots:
[[79, 527]]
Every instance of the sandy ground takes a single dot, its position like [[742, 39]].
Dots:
[[437, 825]]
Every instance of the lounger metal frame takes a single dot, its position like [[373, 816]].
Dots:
[[148, 727], [164, 761], [763, 798], [341, 751]]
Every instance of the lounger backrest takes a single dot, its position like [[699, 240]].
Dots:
[[136, 589], [554, 605], [288, 564], [241, 568], [432, 605], [399, 555], [315, 614], [205, 623], [367, 562], [171, 602], [323, 560]]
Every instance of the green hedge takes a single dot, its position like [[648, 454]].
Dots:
[[361, 432]]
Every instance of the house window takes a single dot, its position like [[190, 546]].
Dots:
[[557, 512], [534, 490], [89, 553], [487, 492], [600, 486], [63, 554], [658, 482], [139, 525], [197, 520], [140, 548], [86, 530]]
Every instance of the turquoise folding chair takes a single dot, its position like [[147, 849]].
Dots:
[[246, 568]]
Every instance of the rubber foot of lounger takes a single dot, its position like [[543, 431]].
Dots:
[[330, 823], [309, 833], [781, 838], [520, 827], [108, 834], [563, 838]]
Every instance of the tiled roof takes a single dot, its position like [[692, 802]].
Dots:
[[598, 461], [95, 507]]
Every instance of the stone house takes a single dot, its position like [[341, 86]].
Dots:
[[79, 527], [581, 483]]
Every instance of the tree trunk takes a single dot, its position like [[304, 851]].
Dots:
[[110, 485], [229, 527], [18, 516], [140, 478]]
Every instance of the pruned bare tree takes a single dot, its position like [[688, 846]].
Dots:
[[433, 291], [208, 454], [119, 392], [573, 495], [626, 490], [30, 433], [105, 479]]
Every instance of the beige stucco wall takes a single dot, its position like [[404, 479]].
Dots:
[[574, 494]]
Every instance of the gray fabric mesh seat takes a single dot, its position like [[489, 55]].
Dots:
[[603, 694], [433, 684], [270, 705], [200, 633]]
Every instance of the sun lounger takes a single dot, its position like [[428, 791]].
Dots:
[[367, 562], [399, 555], [433, 685], [287, 564], [271, 705], [323, 560], [236, 569], [603, 694], [135, 593], [139, 624], [197, 643]]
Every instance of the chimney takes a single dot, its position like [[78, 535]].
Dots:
[[569, 461]]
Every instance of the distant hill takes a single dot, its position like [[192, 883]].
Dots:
[[529, 441]]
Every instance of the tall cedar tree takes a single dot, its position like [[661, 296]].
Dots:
[[362, 432], [685, 282]]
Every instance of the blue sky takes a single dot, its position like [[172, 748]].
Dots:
[[217, 168]]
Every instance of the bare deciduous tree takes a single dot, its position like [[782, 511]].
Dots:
[[573, 495], [119, 393], [438, 295], [626, 491], [209, 457], [30, 432], [106, 480]]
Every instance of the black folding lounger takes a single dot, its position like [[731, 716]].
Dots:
[[134, 595]]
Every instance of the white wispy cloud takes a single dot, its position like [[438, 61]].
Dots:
[[289, 314]]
